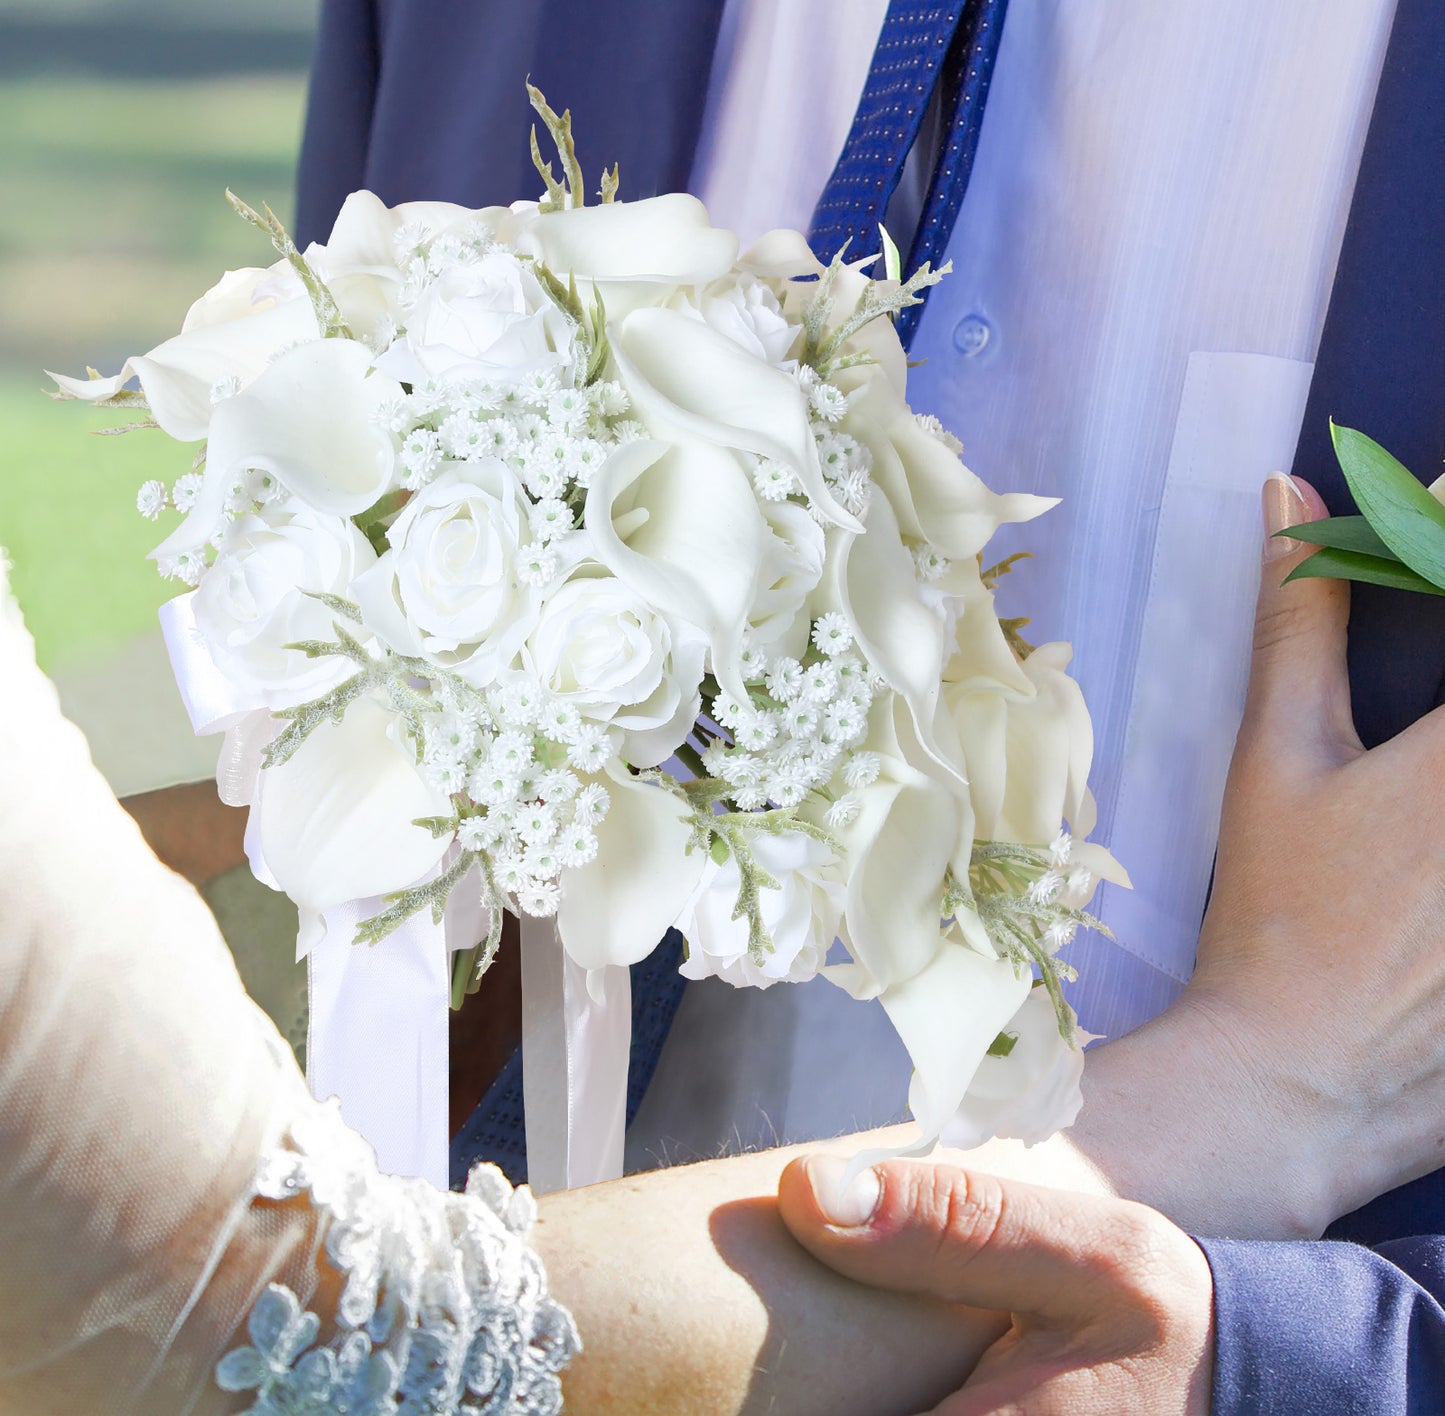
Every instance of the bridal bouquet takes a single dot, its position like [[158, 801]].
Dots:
[[563, 551]]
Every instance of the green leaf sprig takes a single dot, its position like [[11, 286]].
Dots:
[[1399, 538]]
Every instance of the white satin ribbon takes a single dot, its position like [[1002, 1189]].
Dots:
[[378, 1029], [576, 1040], [378, 1036]]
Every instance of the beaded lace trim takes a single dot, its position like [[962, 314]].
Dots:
[[445, 1306]]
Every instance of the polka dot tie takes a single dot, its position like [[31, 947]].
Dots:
[[922, 49]]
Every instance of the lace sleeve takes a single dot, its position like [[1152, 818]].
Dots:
[[167, 1183], [442, 1308]]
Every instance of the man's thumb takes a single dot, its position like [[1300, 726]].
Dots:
[[968, 1237], [1299, 688]]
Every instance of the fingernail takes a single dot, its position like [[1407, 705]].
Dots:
[[844, 1209], [1284, 506]]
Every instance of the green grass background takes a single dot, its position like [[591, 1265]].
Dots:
[[114, 219]]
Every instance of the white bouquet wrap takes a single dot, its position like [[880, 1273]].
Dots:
[[561, 559]]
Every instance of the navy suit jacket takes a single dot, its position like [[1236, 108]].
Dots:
[[423, 99]]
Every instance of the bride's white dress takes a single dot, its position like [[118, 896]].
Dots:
[[182, 1228]]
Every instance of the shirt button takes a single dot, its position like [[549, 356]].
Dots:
[[971, 335]]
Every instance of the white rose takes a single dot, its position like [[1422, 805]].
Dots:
[[252, 602], [802, 916], [743, 309], [599, 646], [448, 589], [489, 318], [788, 574], [1031, 1093]]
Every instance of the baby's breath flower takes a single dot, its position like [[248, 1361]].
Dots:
[[150, 501], [512, 753], [536, 823], [929, 562], [827, 401], [628, 430], [492, 785], [592, 804], [1060, 849], [576, 845], [609, 398], [714, 758], [561, 722], [819, 682], [935, 429], [832, 634], [557, 784], [536, 564], [587, 456], [756, 730], [568, 410], [785, 680], [1059, 933], [591, 750], [540, 898], [463, 436], [843, 812], [550, 517], [802, 717], [861, 770], [752, 661], [421, 456], [774, 480], [186, 491]]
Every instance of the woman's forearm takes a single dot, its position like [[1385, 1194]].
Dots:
[[691, 1297]]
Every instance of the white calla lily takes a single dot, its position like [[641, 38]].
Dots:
[[665, 240], [935, 498], [310, 421], [907, 831], [902, 637], [1030, 1094], [694, 542], [178, 377], [948, 1015], [334, 822], [687, 380], [616, 908]]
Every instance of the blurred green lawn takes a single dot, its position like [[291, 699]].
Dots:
[[115, 219]]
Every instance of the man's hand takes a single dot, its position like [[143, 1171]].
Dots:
[[1321, 956], [1112, 1306]]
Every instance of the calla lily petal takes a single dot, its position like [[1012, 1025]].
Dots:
[[685, 378], [695, 551], [334, 821], [616, 908]]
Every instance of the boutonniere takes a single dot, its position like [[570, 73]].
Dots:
[[1399, 537]]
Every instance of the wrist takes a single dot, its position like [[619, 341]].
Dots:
[[1199, 1114]]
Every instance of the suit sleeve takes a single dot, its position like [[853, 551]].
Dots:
[[1328, 1327]]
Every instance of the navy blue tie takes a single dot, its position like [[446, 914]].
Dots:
[[946, 49]]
